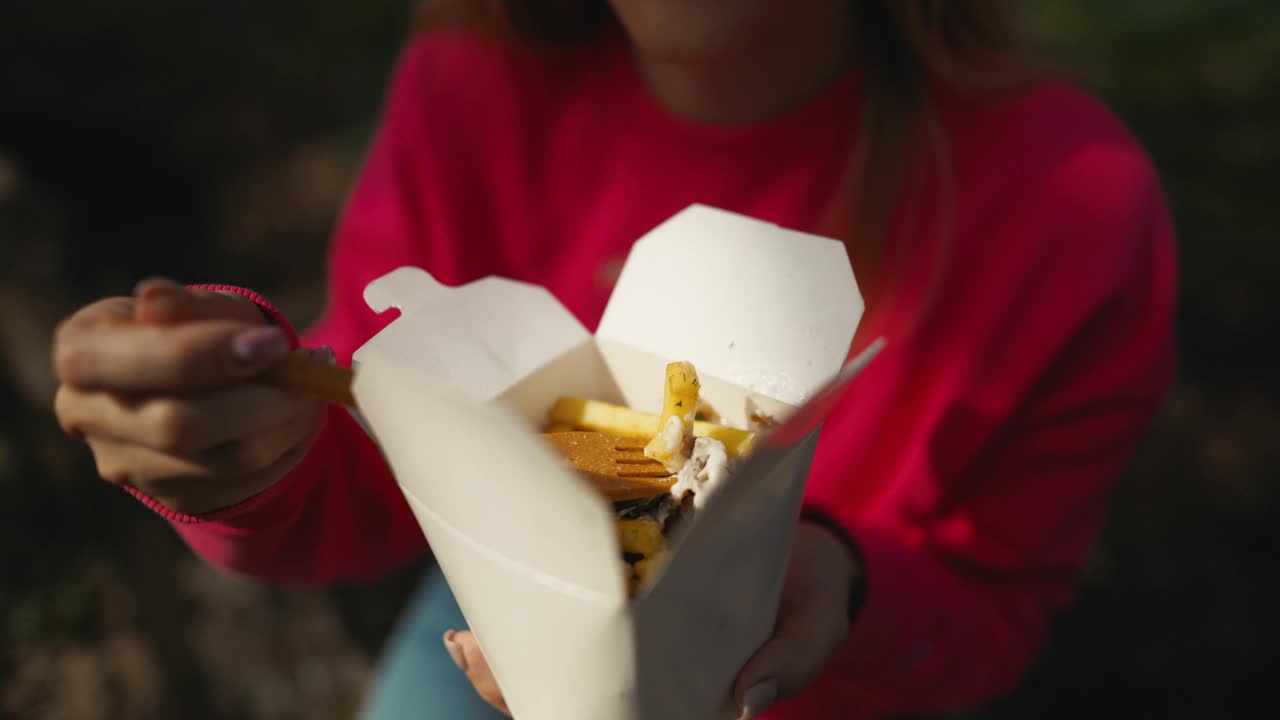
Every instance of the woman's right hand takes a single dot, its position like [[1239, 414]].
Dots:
[[160, 386]]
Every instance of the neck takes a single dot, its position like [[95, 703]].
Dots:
[[791, 59]]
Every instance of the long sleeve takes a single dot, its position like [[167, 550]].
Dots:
[[997, 512], [339, 514]]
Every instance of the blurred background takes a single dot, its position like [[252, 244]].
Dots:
[[216, 141]]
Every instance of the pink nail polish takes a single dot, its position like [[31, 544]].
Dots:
[[259, 344], [153, 284], [455, 650], [758, 699], [160, 300]]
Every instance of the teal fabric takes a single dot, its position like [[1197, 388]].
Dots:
[[416, 680]]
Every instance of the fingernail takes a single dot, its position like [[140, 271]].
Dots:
[[758, 699], [455, 650], [162, 301], [161, 296], [155, 283], [260, 343], [325, 354]]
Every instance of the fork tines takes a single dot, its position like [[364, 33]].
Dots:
[[635, 464]]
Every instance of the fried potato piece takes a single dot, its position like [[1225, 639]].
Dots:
[[673, 440], [640, 537], [604, 417], [648, 566], [583, 414], [737, 443]]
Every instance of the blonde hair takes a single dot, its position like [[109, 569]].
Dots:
[[973, 47]]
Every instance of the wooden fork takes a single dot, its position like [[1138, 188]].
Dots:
[[300, 373], [615, 465]]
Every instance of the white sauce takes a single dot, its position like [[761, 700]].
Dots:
[[704, 472], [672, 436], [672, 432]]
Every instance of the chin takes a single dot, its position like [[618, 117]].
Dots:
[[692, 31]]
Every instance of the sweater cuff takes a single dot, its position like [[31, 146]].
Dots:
[[269, 311], [815, 515], [242, 514], [249, 506]]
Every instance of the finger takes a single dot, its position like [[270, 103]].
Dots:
[[182, 424], [160, 301], [790, 661], [191, 485], [263, 449], [136, 359], [102, 312], [466, 654], [126, 463], [95, 315]]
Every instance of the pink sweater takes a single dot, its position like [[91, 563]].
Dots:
[[971, 462]]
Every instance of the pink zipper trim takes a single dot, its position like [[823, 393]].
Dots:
[[277, 318]]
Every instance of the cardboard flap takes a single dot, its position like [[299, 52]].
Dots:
[[402, 288], [736, 551], [717, 599], [529, 548], [482, 337], [478, 468], [769, 310]]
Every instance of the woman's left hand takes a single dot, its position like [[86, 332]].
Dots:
[[813, 620]]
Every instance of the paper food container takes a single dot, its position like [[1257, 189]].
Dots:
[[456, 390]]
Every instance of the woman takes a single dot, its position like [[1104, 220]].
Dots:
[[1009, 235]]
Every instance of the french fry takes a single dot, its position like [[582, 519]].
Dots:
[[673, 440], [648, 565], [680, 398], [641, 537], [669, 440], [604, 417], [737, 443]]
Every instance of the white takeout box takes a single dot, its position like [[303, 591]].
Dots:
[[456, 389]]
